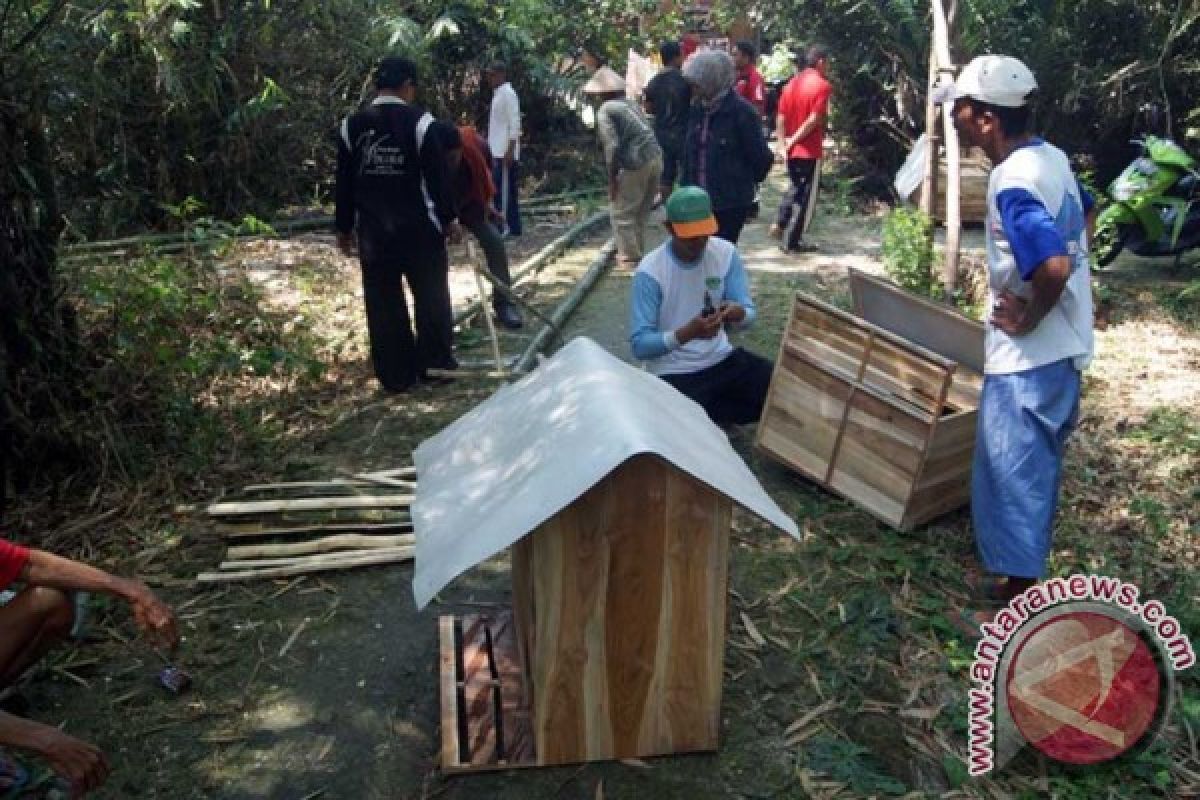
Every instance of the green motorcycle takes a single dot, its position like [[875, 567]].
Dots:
[[1154, 207]]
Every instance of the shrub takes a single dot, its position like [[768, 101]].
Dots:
[[908, 250]]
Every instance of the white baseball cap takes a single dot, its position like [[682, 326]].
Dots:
[[997, 80]]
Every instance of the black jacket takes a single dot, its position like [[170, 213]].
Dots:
[[396, 193], [736, 157]]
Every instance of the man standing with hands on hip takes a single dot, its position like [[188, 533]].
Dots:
[[504, 140], [1039, 335]]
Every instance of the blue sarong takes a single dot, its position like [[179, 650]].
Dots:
[[1023, 425]]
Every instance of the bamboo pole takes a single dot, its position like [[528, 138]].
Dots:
[[314, 560], [945, 67], [260, 531], [929, 183], [598, 266], [328, 544], [285, 572], [309, 504]]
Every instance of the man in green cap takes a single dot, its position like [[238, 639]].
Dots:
[[685, 294]]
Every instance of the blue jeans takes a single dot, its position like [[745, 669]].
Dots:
[[513, 217]]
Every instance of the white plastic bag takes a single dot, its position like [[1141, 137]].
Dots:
[[909, 176]]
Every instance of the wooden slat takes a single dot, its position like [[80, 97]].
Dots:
[[516, 725], [309, 504], [479, 687], [448, 689], [853, 321]]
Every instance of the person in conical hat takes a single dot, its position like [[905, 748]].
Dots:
[[633, 160]]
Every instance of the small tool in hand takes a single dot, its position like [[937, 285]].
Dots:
[[708, 309]]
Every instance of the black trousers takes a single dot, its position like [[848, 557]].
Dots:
[[732, 392], [730, 222], [399, 356], [672, 153], [794, 207]]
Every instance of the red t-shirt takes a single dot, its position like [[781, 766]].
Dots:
[[805, 94], [750, 86], [13, 559]]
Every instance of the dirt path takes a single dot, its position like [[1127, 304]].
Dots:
[[861, 645]]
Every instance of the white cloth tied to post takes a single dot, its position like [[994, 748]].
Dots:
[[534, 447]]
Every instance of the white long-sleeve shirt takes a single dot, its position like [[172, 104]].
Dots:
[[504, 122]]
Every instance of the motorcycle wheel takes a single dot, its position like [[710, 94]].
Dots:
[[1108, 241]]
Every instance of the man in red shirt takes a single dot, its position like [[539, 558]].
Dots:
[[37, 618], [800, 130], [749, 80]]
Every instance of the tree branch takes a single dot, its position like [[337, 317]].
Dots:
[[39, 27]]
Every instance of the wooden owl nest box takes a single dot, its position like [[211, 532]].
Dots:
[[614, 494], [881, 406]]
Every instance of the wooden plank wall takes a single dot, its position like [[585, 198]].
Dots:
[[625, 593], [859, 411]]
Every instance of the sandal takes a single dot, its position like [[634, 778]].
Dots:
[[991, 589]]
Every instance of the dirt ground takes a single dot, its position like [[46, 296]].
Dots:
[[860, 652]]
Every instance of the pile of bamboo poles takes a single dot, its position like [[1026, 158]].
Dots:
[[279, 530]]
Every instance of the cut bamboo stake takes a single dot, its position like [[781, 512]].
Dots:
[[476, 267], [324, 558], [379, 480], [568, 305], [309, 504], [539, 259], [328, 544], [284, 572], [251, 532]]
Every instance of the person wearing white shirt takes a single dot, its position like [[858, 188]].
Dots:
[[1039, 334], [504, 140]]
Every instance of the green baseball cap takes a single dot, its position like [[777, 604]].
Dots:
[[689, 211]]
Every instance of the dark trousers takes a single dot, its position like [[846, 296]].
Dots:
[[794, 207], [513, 217], [493, 250], [672, 153], [399, 356], [730, 222], [732, 392]]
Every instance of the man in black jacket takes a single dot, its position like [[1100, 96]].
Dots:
[[392, 187], [726, 152]]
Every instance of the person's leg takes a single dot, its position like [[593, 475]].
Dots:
[[651, 176], [393, 348], [1017, 466], [783, 217], [698, 386], [498, 182], [427, 272], [514, 212], [730, 222], [742, 388], [497, 263], [800, 171], [30, 624], [671, 153], [624, 215]]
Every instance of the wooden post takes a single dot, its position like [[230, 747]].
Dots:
[[929, 184], [945, 66]]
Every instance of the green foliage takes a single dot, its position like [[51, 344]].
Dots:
[[1183, 304], [908, 250], [1172, 430], [171, 336]]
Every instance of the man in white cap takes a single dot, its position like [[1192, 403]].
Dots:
[[1039, 332], [634, 162]]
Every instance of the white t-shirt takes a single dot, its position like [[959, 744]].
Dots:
[[683, 287], [504, 122], [1038, 173]]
